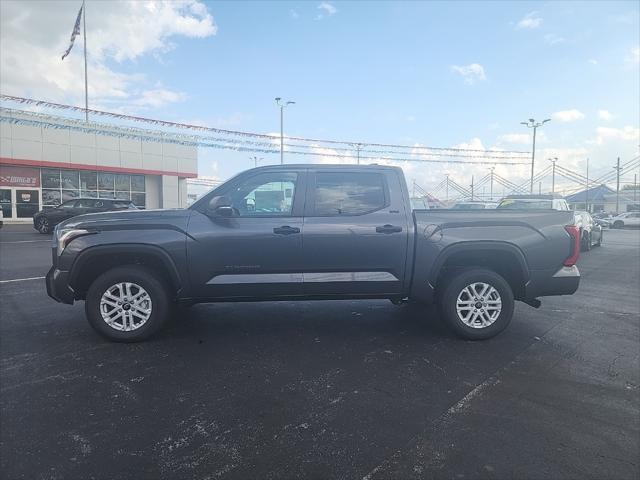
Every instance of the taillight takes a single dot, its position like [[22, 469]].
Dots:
[[574, 233]]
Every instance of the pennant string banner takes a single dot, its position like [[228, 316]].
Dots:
[[8, 116], [314, 143]]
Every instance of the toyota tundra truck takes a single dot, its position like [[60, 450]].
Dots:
[[312, 232]]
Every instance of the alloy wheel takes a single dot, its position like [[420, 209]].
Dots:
[[478, 305], [125, 306]]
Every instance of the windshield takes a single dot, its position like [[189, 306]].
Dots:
[[531, 204]]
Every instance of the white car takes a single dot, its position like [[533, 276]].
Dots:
[[629, 219], [1, 218]]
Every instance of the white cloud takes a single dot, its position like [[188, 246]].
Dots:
[[593, 61], [553, 39], [607, 134], [293, 14], [634, 56], [471, 73], [158, 97], [605, 115], [519, 138], [326, 9], [568, 115], [530, 20], [34, 35]]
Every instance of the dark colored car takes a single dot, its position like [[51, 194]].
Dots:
[[590, 230], [312, 232], [45, 220]]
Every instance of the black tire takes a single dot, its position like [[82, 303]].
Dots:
[[618, 224], [43, 225], [459, 281], [156, 289]]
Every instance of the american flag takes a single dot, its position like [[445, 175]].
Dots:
[[75, 33]]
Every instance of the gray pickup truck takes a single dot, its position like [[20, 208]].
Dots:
[[302, 232]]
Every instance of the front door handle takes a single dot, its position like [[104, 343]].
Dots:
[[388, 229], [286, 230]]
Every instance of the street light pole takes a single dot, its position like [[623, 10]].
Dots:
[[553, 174], [617, 169], [492, 169], [282, 104], [533, 124]]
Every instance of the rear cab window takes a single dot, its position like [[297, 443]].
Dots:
[[348, 193]]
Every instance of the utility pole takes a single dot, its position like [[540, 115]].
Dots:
[[282, 104], [617, 169], [492, 169], [255, 160], [539, 188], [586, 192], [533, 124], [447, 189], [472, 188], [553, 174], [358, 147]]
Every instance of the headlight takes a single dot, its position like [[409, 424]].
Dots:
[[64, 235]]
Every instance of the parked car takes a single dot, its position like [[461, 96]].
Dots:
[[590, 231], [45, 220], [419, 203], [537, 202], [603, 219], [1, 218], [629, 219], [303, 232], [474, 205]]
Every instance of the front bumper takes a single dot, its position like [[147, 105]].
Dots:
[[544, 283], [58, 286]]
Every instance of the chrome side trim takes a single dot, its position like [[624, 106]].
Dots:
[[349, 277], [325, 277], [256, 278]]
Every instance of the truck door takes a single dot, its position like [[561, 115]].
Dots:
[[356, 233], [258, 251]]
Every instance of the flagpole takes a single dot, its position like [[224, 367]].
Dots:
[[86, 88]]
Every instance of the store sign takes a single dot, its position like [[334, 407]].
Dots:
[[19, 177]]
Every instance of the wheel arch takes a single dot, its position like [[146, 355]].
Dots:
[[503, 258], [93, 261]]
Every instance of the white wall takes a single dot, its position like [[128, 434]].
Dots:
[[72, 148]]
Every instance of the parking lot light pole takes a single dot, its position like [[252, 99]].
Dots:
[[533, 124], [553, 174], [282, 104], [492, 169]]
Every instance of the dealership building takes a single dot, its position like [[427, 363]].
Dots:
[[44, 163]]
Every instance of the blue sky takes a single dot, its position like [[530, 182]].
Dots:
[[432, 73]]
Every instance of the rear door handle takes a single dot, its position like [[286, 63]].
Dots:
[[286, 230], [388, 229]]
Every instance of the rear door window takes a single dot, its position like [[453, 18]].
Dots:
[[348, 193]]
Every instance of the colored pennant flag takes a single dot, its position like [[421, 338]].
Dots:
[[75, 33]]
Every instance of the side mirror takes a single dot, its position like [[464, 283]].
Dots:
[[220, 207]]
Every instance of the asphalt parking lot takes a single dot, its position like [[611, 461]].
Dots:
[[323, 389]]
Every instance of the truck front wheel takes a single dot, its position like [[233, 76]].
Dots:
[[127, 304], [477, 303]]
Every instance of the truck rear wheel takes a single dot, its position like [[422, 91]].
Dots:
[[127, 304], [477, 303]]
